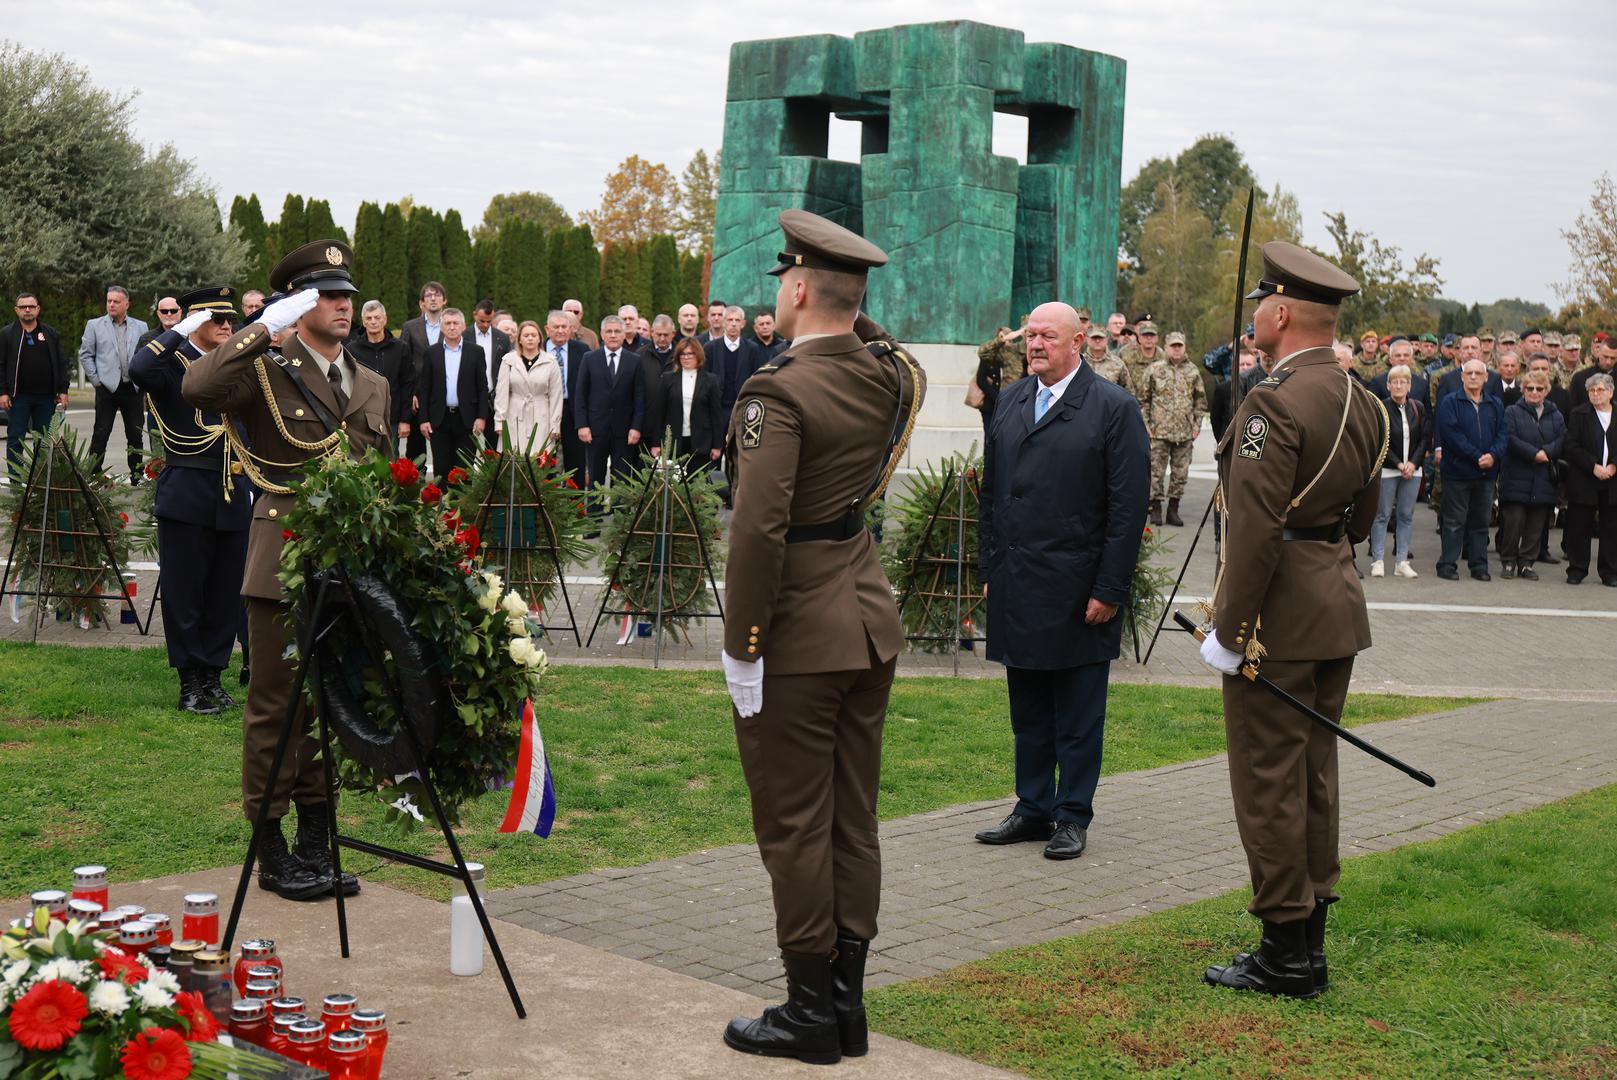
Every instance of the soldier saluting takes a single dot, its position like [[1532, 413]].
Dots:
[[815, 436], [293, 405], [203, 505], [1297, 474]]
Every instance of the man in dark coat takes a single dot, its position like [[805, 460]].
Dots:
[[454, 394], [386, 355], [1066, 479], [418, 335], [569, 354], [611, 407], [33, 375]]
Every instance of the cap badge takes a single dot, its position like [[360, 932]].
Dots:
[[334, 255]]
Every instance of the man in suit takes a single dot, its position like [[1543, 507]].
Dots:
[[575, 312], [419, 334], [454, 394], [384, 354], [811, 633], [1292, 502], [310, 391], [33, 376], [203, 507], [611, 406], [658, 355], [763, 329], [105, 352], [732, 357], [633, 339], [495, 343], [569, 354], [1066, 479], [690, 321], [715, 322]]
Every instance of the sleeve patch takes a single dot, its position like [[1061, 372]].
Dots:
[[1253, 435], [752, 424]]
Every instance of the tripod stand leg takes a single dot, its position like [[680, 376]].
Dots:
[[1180, 580], [331, 832]]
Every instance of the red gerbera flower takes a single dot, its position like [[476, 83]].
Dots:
[[457, 475], [404, 472], [156, 1054], [47, 1016], [430, 494], [203, 1027], [491, 453], [119, 965]]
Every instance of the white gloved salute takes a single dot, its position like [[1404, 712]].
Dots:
[[284, 312], [1218, 657], [746, 680], [188, 325]]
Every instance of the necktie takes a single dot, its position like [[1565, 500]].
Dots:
[[612, 366], [561, 362], [335, 375], [1042, 404]]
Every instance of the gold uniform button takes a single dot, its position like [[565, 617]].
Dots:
[[235, 468], [752, 648], [298, 412], [240, 345], [274, 512], [754, 630], [753, 639], [1239, 639]]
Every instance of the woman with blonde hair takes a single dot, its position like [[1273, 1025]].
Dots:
[[527, 394]]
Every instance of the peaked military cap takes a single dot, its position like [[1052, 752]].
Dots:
[[818, 244], [1096, 330], [1508, 338], [323, 265], [1552, 338], [1571, 341], [219, 299], [1175, 338], [1485, 334], [1298, 274]]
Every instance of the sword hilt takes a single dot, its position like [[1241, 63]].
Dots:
[[1248, 668]]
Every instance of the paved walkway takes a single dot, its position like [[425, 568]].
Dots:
[[1161, 838]]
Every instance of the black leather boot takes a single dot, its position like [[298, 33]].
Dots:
[[209, 679], [1279, 965], [314, 849], [280, 872], [1316, 943], [848, 994], [1156, 512], [805, 1027], [193, 697], [1173, 517]]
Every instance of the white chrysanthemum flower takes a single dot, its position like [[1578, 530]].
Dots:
[[514, 604], [16, 971], [153, 997], [109, 997], [164, 979], [520, 649], [68, 971]]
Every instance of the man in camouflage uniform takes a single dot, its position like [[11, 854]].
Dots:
[[1571, 361], [1001, 360], [1173, 402], [1107, 366], [1368, 361], [1144, 353], [1486, 337]]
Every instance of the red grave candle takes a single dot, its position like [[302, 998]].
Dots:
[[90, 883], [201, 919], [373, 1023]]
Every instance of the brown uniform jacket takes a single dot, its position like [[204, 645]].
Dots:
[[233, 379], [1302, 596], [807, 435]]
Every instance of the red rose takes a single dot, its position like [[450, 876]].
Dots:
[[119, 965], [430, 494], [491, 453], [123, 518], [468, 539], [153, 467], [47, 1016], [457, 475], [404, 472], [452, 520], [156, 1054], [202, 1026]]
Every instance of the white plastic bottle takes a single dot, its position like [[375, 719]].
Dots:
[[465, 935]]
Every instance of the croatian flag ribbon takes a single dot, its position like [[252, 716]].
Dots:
[[533, 792]]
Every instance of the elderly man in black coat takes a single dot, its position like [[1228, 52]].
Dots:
[[1066, 479]]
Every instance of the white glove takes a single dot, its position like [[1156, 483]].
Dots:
[[746, 679], [1218, 657], [186, 326], [283, 313]]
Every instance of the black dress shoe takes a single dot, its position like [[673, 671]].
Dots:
[[1069, 841], [1279, 965], [1015, 829], [1547, 559], [1448, 573], [1507, 571], [1610, 583], [1481, 575], [805, 1027], [1527, 573], [1574, 578]]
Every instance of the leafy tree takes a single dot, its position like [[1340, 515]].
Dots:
[[459, 278], [581, 272], [698, 200], [693, 270], [534, 206], [662, 259], [291, 231], [533, 299], [247, 222], [1391, 295], [1175, 285], [1591, 290], [1512, 314], [1213, 171], [615, 278], [368, 253], [426, 254], [318, 223], [508, 263], [396, 292], [483, 253], [559, 250], [1275, 216], [641, 200]]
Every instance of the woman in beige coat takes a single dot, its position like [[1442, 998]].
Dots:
[[527, 394]]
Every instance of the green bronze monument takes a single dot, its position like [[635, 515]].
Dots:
[[976, 240]]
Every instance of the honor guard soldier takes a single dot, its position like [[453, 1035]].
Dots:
[[811, 634], [203, 506], [1298, 476], [293, 405]]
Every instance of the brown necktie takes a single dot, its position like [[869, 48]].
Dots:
[[335, 376]]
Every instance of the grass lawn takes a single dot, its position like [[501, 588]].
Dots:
[[1492, 952], [98, 766]]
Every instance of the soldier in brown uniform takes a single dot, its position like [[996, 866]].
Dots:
[[815, 436], [292, 404], [1297, 475]]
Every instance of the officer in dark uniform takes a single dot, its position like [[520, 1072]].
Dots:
[[203, 507], [815, 436]]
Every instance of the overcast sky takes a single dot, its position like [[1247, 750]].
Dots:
[[1473, 131]]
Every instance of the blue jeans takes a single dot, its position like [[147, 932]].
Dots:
[[29, 413], [1466, 507], [1400, 493]]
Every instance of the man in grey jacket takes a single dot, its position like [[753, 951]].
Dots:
[[104, 354]]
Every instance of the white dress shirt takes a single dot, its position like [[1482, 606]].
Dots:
[[687, 389]]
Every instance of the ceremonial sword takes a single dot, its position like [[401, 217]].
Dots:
[[1251, 672]]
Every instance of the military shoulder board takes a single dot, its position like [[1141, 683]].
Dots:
[[774, 365], [1269, 382]]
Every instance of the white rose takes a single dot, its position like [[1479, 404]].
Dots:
[[492, 580], [516, 626], [109, 997], [164, 979], [153, 997], [520, 649], [489, 601], [514, 604], [16, 971], [536, 658]]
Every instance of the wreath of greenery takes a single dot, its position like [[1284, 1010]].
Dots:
[[633, 527], [1148, 591], [925, 525], [376, 517]]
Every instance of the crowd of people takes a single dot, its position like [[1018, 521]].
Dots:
[[1525, 419]]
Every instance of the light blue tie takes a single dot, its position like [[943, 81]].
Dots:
[[1041, 404]]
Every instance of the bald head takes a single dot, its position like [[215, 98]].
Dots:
[[1063, 315], [1053, 342]]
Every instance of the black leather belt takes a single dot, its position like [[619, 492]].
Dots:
[[1328, 533], [845, 529], [193, 461]]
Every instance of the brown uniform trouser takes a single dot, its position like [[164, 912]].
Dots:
[[302, 777], [812, 759], [1283, 777]]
